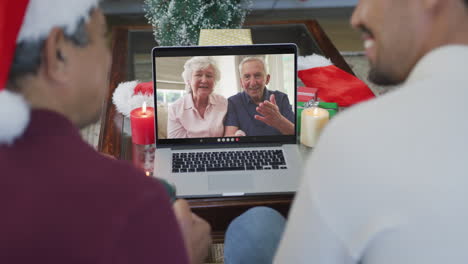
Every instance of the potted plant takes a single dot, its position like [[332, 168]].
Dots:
[[178, 22]]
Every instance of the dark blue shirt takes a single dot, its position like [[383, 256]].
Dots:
[[241, 112]]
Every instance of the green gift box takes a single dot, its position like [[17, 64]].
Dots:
[[332, 109]]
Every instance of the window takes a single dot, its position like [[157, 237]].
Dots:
[[168, 96]]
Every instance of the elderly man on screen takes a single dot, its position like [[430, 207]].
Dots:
[[257, 110], [200, 113]]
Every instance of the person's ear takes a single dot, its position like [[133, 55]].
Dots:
[[267, 79], [54, 56]]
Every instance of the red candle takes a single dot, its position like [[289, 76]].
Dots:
[[142, 122]]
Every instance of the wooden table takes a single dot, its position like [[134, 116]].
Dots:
[[115, 140]]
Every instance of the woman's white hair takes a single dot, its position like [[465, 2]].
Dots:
[[196, 64]]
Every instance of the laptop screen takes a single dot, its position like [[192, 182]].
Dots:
[[224, 95]]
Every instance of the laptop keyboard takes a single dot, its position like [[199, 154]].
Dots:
[[228, 161]]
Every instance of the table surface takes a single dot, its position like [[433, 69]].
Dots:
[[131, 43]]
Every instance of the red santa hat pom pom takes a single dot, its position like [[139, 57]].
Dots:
[[130, 95], [333, 84], [14, 116]]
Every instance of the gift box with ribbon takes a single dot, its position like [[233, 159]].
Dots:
[[305, 94]]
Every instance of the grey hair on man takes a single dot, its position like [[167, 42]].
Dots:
[[196, 64], [249, 59]]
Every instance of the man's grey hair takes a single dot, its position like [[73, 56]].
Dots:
[[196, 64], [248, 59], [28, 54]]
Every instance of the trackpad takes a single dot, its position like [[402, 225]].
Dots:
[[230, 182]]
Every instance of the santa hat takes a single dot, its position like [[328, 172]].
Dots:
[[130, 95], [29, 20], [333, 84]]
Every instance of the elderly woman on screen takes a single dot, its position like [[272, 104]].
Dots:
[[199, 113]]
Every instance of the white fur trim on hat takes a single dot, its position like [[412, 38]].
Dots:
[[125, 101], [42, 15], [122, 95], [312, 61], [14, 116]]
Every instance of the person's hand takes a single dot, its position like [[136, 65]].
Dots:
[[271, 115], [195, 230], [270, 111], [240, 133]]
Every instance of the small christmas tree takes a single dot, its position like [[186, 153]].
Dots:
[[178, 22]]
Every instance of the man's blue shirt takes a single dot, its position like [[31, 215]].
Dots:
[[241, 112]]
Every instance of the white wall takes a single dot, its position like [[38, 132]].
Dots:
[[229, 83]]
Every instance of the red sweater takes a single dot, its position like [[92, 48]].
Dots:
[[62, 202]]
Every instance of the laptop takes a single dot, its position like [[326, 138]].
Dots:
[[211, 164]]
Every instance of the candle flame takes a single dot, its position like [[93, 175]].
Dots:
[[316, 111], [144, 107], [147, 173]]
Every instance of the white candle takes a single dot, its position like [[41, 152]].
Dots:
[[313, 120]]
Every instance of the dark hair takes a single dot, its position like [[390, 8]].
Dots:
[[27, 58]]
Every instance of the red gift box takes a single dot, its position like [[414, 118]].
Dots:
[[305, 94]]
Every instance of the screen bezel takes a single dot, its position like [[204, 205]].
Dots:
[[256, 49]]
